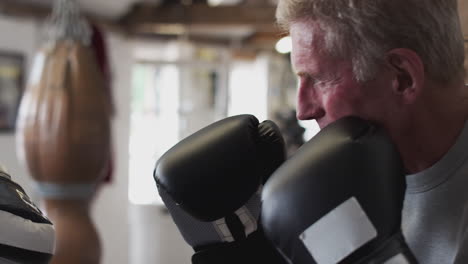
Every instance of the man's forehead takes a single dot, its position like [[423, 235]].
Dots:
[[307, 40], [304, 32], [308, 34]]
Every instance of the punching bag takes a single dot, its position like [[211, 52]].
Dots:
[[64, 121], [63, 127], [64, 132]]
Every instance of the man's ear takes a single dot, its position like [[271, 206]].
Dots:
[[408, 74]]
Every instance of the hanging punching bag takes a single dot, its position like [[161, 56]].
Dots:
[[63, 124], [63, 132], [63, 127]]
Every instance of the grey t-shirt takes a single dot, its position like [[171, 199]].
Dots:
[[435, 213]]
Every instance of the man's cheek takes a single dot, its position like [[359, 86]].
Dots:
[[338, 107]]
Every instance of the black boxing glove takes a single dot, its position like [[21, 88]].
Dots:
[[26, 236], [210, 183], [339, 199]]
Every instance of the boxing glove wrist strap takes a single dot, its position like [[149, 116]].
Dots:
[[252, 250], [393, 250]]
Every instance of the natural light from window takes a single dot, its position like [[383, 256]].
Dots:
[[154, 125]]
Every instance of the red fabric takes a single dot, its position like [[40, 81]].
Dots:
[[99, 46]]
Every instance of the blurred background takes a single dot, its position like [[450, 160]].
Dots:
[[176, 66]]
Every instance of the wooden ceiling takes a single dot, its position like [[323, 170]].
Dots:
[[249, 25]]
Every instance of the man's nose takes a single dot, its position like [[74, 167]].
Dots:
[[308, 104]]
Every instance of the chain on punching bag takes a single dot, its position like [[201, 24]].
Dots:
[[63, 128]]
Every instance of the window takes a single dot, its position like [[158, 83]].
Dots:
[[154, 125]]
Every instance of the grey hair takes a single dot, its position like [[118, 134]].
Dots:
[[364, 30]]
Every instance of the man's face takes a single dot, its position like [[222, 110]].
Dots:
[[327, 87]]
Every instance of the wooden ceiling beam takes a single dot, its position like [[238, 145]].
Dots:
[[40, 12], [21, 9], [144, 14], [264, 38]]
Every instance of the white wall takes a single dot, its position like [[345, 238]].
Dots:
[[111, 207], [17, 36]]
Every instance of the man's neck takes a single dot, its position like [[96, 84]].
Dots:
[[432, 128]]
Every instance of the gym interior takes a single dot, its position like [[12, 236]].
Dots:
[[175, 67]]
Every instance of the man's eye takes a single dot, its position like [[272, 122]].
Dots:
[[317, 82]]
